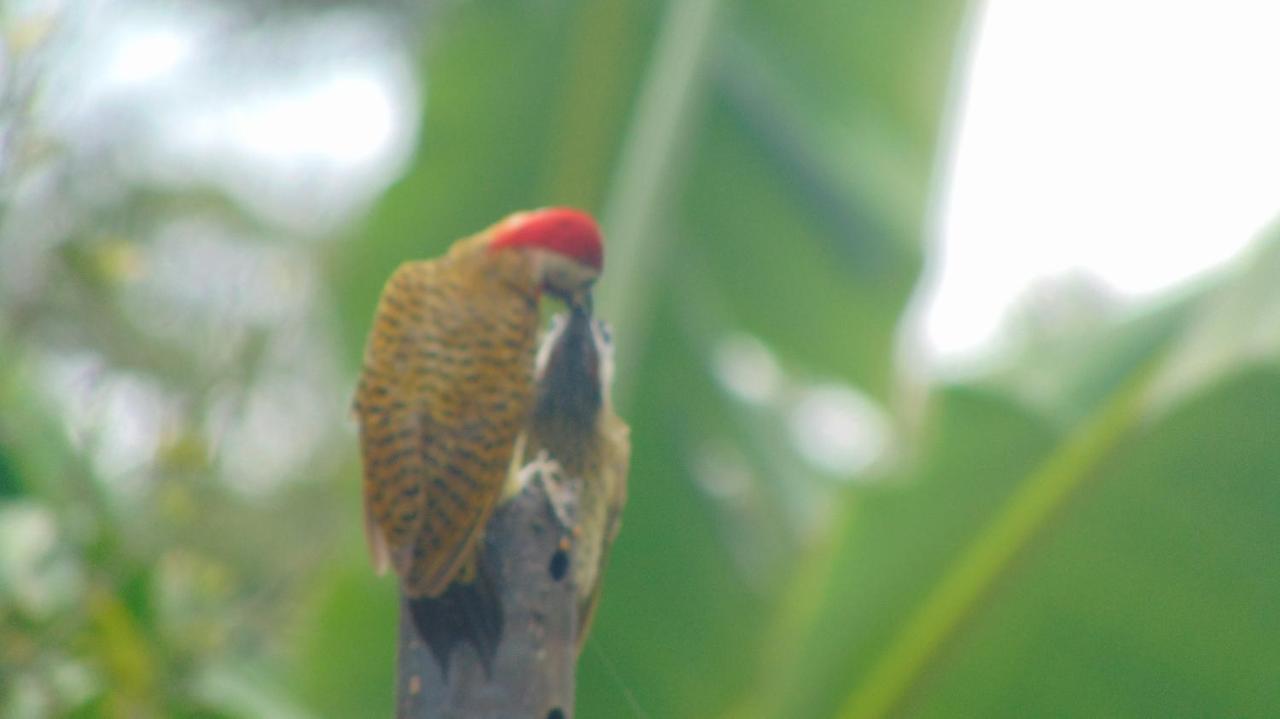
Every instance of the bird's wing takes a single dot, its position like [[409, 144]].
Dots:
[[441, 399]]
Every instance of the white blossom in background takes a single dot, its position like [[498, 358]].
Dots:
[[748, 370], [34, 574], [837, 429]]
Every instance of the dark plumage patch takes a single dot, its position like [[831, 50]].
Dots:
[[466, 613], [569, 394]]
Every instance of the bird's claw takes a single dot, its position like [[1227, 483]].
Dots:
[[550, 475], [539, 468]]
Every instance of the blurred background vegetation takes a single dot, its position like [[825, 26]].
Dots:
[[189, 260]]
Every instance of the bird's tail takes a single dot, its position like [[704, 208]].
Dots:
[[467, 612]]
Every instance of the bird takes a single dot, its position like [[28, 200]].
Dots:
[[575, 427], [447, 388]]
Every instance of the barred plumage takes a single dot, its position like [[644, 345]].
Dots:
[[446, 388]]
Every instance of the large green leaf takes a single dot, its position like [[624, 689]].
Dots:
[[1151, 593]]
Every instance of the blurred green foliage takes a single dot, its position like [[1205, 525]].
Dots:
[[1088, 531]]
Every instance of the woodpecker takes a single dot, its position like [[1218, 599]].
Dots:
[[575, 427], [448, 387]]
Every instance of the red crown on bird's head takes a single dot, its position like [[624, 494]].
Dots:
[[562, 230]]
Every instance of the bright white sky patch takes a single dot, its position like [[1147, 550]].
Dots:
[[349, 119], [146, 56], [305, 122], [1134, 141]]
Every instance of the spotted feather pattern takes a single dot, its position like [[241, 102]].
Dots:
[[445, 390]]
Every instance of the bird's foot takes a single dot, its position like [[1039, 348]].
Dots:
[[542, 468], [550, 475]]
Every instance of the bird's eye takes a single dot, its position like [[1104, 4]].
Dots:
[[606, 332]]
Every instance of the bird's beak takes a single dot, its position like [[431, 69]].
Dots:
[[582, 300]]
